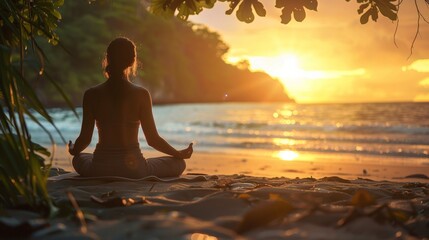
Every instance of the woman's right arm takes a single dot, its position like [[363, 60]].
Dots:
[[151, 133]]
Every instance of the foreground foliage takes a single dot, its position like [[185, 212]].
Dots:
[[22, 175]]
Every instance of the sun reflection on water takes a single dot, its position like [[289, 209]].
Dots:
[[284, 141], [286, 155]]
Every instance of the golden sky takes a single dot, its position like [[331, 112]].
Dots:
[[330, 56]]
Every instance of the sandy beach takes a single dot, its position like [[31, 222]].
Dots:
[[223, 196], [237, 207]]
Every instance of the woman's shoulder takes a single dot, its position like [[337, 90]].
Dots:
[[139, 89], [92, 93], [95, 88]]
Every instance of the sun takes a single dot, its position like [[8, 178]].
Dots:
[[284, 66], [287, 67]]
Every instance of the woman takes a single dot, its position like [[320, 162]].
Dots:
[[118, 108]]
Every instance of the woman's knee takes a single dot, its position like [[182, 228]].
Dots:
[[82, 163], [166, 166], [77, 162], [181, 165]]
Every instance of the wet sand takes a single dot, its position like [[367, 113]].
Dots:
[[305, 165]]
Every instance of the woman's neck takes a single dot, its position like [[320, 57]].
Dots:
[[118, 78]]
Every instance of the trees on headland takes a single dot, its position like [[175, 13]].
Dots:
[[179, 61]]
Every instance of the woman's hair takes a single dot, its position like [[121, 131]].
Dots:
[[120, 58]]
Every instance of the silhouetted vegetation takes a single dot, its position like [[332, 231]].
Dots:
[[246, 8], [179, 61], [22, 172]]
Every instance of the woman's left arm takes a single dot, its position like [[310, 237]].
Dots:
[[88, 122]]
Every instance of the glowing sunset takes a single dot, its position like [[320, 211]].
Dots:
[[331, 57], [207, 119]]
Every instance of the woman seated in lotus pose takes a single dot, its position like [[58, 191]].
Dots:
[[118, 108]]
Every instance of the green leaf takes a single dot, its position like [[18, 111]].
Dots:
[[387, 3], [232, 6], [244, 12], [56, 14], [286, 15], [40, 149], [59, 3], [280, 3], [388, 10], [191, 5], [362, 8], [311, 4], [259, 8], [365, 17], [374, 14], [183, 12], [161, 8], [299, 14]]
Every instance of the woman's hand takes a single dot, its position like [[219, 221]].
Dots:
[[187, 152], [71, 148]]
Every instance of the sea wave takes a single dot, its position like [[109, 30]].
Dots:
[[371, 129], [375, 128]]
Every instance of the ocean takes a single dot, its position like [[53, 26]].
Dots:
[[389, 130]]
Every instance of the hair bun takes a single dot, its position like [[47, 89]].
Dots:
[[120, 57]]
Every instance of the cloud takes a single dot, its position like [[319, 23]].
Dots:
[[421, 65], [424, 82]]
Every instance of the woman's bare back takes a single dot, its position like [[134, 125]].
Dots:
[[116, 107]]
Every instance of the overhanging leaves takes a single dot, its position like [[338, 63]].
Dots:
[[371, 8], [296, 7], [247, 8], [245, 12], [181, 8]]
